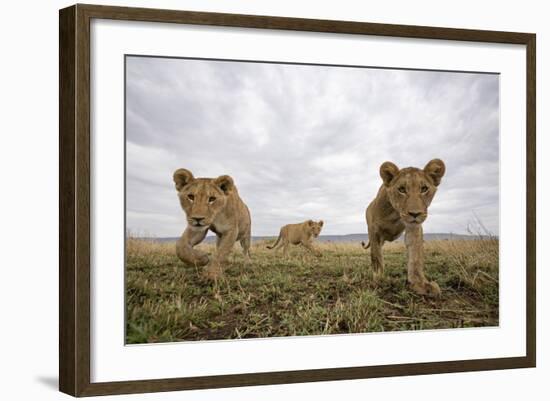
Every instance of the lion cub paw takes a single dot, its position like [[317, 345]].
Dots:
[[213, 271], [429, 289], [433, 290], [378, 275], [202, 260]]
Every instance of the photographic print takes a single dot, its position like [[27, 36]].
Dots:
[[268, 199]]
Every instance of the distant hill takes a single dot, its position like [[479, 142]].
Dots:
[[340, 238]]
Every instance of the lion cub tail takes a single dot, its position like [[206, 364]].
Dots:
[[365, 246], [276, 242]]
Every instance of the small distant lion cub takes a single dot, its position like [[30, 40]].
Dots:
[[211, 204], [402, 205], [299, 234]]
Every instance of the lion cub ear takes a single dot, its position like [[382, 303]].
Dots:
[[182, 177], [310, 222], [435, 169], [388, 171], [321, 222], [225, 183]]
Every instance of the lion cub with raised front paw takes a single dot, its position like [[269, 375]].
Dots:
[[211, 204], [299, 234], [402, 205]]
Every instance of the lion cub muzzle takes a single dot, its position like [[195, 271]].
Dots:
[[415, 217], [197, 222]]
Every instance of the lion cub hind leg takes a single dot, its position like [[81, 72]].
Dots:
[[414, 240], [285, 244], [245, 244], [376, 257]]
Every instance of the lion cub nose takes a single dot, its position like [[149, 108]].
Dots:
[[197, 219], [415, 214]]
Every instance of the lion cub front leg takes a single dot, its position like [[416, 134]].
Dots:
[[185, 251], [414, 240], [224, 246], [309, 246]]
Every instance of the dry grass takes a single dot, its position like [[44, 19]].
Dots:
[[304, 295], [473, 261]]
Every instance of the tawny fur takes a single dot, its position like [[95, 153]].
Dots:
[[401, 205], [299, 234], [211, 204]]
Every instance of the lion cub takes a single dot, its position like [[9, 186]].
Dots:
[[211, 204], [402, 205], [299, 234]]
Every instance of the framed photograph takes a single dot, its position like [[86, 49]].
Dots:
[[250, 200]]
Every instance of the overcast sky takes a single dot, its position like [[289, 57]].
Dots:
[[306, 142]]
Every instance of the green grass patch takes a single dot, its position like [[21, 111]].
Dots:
[[304, 295]]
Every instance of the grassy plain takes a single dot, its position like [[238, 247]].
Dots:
[[304, 295]]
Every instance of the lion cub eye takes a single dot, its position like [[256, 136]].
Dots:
[[191, 197], [424, 189], [211, 199], [402, 189]]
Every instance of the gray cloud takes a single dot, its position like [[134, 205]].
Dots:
[[307, 141]]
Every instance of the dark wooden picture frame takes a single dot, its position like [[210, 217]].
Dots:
[[74, 199]]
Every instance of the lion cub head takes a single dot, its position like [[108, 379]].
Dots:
[[314, 227], [411, 190], [202, 199]]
